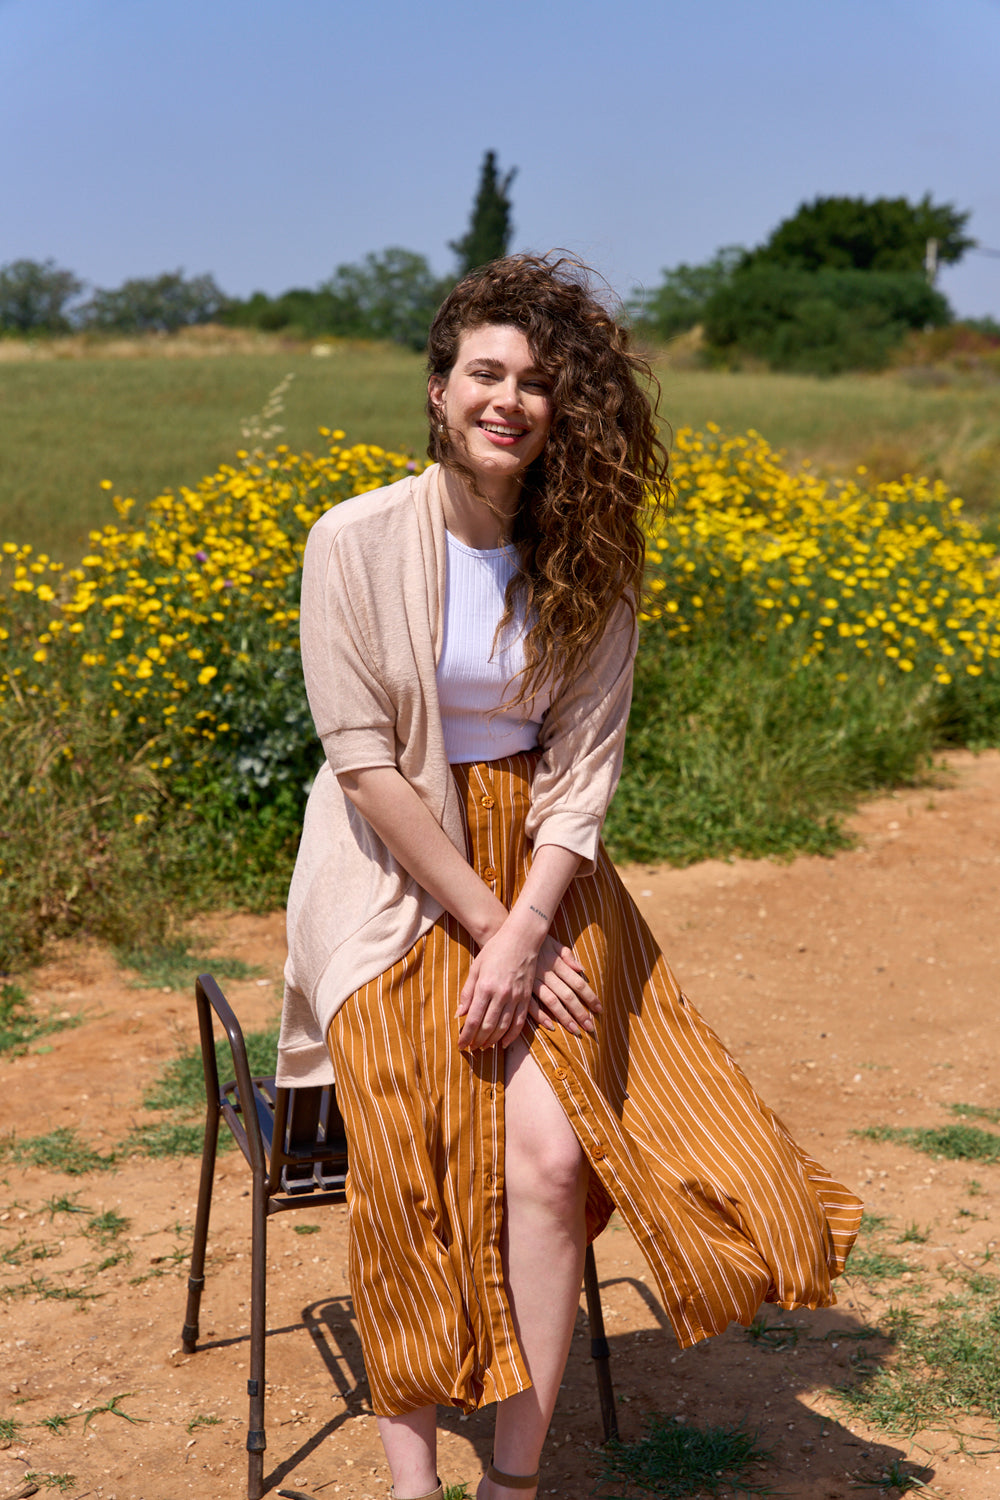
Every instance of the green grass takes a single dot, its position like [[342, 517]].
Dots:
[[729, 752], [153, 423], [876, 1265], [889, 423], [106, 1227], [976, 1112], [171, 966], [673, 1461], [61, 1482], [953, 1142], [170, 1138], [58, 1150], [180, 1086], [156, 422], [20, 1024], [202, 1421], [943, 1364], [179, 1091]]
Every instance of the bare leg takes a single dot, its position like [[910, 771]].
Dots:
[[545, 1175], [410, 1444]]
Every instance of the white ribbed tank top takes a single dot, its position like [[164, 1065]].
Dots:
[[472, 678]]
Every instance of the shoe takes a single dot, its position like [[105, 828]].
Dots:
[[437, 1494]]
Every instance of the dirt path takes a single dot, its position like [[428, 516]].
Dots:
[[857, 991]]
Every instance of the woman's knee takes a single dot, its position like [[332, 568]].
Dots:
[[543, 1158]]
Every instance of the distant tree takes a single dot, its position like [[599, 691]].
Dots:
[[678, 303], [884, 234], [155, 304], [490, 226], [392, 295], [34, 296], [819, 322]]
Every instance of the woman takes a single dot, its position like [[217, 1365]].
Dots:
[[513, 1057]]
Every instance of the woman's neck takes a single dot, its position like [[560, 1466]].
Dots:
[[480, 524]]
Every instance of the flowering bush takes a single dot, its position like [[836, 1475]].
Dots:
[[801, 640], [894, 572], [183, 631]]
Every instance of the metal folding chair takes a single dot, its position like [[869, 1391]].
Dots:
[[294, 1143]]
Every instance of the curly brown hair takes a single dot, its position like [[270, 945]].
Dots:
[[578, 528]]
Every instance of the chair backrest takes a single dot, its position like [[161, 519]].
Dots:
[[293, 1138]]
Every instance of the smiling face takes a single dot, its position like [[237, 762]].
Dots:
[[496, 405]]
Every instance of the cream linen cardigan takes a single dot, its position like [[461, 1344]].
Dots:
[[372, 622]]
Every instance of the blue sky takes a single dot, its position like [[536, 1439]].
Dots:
[[267, 141]]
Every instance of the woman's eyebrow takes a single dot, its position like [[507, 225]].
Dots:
[[498, 364]]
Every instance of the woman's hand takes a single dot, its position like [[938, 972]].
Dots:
[[561, 991], [507, 983], [494, 1002]]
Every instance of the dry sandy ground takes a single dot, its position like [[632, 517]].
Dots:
[[856, 991]]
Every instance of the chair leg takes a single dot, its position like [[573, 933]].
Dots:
[[256, 1436], [196, 1280], [600, 1353]]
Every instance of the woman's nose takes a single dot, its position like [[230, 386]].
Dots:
[[508, 394]]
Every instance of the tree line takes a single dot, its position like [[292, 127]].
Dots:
[[392, 294], [836, 286]]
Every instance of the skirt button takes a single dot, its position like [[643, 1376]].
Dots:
[[489, 802], [489, 873]]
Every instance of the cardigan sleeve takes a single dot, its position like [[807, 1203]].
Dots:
[[353, 713], [582, 743]]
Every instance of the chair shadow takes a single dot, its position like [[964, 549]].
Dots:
[[763, 1373], [330, 1324]]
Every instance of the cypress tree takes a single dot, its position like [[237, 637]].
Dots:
[[490, 227]]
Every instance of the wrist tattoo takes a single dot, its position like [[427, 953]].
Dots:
[[538, 913]]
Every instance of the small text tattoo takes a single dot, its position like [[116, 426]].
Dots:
[[543, 914]]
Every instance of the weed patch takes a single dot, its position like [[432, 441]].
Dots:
[[873, 1264], [181, 1084], [20, 1024], [59, 1150], [202, 1421], [61, 1482], [171, 966], [673, 1461], [953, 1142], [171, 1138], [943, 1364], [106, 1227], [976, 1112], [941, 1360]]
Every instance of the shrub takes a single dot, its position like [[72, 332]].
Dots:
[[818, 322], [802, 641]]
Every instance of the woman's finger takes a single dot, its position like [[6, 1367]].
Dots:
[[566, 1009], [575, 982], [538, 1013]]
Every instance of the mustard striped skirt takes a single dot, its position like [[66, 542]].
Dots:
[[728, 1211]]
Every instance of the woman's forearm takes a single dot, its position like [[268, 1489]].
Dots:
[[387, 801], [552, 872]]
